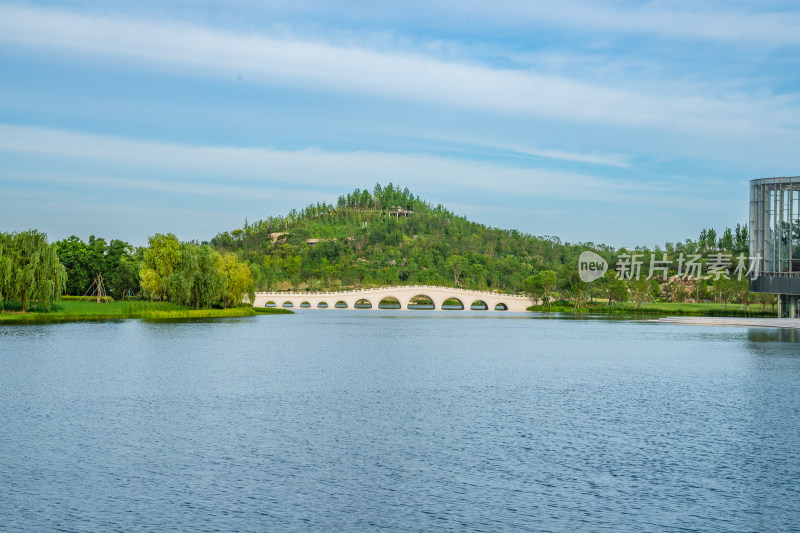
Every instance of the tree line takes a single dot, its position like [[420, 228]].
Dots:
[[386, 236], [30, 271], [191, 274], [359, 243], [546, 287], [33, 271]]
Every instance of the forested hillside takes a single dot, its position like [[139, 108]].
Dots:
[[385, 237], [388, 236]]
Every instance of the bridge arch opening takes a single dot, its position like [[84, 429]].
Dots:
[[322, 305], [452, 304], [269, 304], [390, 302], [305, 305], [421, 301], [341, 304], [288, 304], [479, 305], [501, 307], [362, 303]]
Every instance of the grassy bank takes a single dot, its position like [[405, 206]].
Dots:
[[70, 310], [661, 308], [272, 311]]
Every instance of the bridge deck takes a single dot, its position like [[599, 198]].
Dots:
[[404, 294]]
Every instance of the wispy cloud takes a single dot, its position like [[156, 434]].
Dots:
[[201, 51], [525, 150], [738, 22], [251, 172], [601, 110], [749, 22]]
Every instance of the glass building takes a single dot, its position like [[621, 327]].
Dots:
[[775, 237]]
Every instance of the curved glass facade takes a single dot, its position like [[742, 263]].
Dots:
[[775, 238], [775, 223]]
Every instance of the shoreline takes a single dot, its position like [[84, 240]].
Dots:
[[782, 323], [662, 309], [69, 310], [84, 312]]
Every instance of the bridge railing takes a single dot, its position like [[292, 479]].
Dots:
[[376, 289]]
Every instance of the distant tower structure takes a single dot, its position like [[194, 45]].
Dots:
[[775, 237]]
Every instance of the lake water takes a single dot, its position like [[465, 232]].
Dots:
[[401, 421]]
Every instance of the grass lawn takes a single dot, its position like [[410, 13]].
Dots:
[[664, 308], [70, 310]]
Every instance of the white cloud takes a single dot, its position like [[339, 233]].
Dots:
[[183, 49], [524, 150], [739, 22], [261, 172], [696, 22], [747, 23]]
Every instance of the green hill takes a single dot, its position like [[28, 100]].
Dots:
[[382, 237], [389, 236]]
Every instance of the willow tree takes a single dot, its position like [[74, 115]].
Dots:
[[160, 261], [238, 280], [198, 280], [30, 270], [5, 267]]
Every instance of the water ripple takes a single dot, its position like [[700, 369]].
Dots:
[[413, 422]]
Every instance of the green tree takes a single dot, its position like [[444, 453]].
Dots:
[[209, 284], [726, 242], [30, 270], [270, 268], [99, 265], [126, 277], [549, 282], [725, 289], [238, 280], [328, 271], [641, 289], [293, 265], [179, 283], [5, 267], [118, 265], [741, 240], [743, 294], [456, 264], [73, 254], [614, 288], [570, 282], [198, 280], [534, 287], [676, 291], [765, 298], [160, 261], [702, 291], [88, 263]]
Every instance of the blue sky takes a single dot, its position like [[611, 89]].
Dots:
[[618, 122]]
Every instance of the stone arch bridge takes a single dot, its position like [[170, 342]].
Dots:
[[403, 294]]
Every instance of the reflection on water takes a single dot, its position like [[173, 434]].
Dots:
[[414, 420], [761, 335]]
